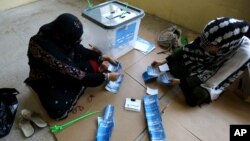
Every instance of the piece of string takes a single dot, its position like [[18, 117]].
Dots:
[[58, 128]]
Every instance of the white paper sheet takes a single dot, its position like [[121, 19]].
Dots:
[[144, 45], [164, 67], [151, 91]]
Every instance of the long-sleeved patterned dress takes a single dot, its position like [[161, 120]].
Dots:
[[59, 75]]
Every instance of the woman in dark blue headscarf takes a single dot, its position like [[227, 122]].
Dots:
[[61, 68]]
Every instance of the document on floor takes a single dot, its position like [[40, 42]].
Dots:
[[148, 78], [114, 86], [153, 71], [105, 124], [144, 46], [165, 78], [164, 67], [154, 120], [151, 91]]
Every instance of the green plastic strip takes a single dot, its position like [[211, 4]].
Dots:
[[90, 4], [184, 40], [58, 128], [125, 10]]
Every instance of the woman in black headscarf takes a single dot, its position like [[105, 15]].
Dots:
[[198, 61], [61, 68]]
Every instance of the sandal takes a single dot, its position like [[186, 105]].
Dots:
[[26, 127], [34, 117]]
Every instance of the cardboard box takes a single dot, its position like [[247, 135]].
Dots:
[[128, 125]]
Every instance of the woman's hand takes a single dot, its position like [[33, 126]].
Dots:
[[175, 81], [158, 63], [109, 59], [104, 66], [112, 76], [95, 49]]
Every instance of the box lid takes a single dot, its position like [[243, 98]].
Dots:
[[112, 14]]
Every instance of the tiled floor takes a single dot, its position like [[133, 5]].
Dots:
[[209, 122]]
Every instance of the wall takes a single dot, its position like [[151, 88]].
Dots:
[[194, 14]]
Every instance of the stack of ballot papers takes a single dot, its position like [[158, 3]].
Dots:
[[153, 71], [148, 78], [144, 46], [114, 86], [154, 120], [113, 68], [165, 78], [105, 124]]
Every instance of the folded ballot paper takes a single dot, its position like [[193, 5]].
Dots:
[[113, 68], [150, 75], [114, 86], [161, 72], [148, 78], [153, 71], [165, 78], [156, 71]]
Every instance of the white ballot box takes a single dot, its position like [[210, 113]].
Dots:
[[112, 27]]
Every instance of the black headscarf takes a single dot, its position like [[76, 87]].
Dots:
[[67, 26]]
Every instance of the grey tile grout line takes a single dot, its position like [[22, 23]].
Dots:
[[133, 63], [191, 133], [134, 79], [143, 131], [141, 135]]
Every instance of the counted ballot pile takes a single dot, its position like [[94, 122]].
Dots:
[[154, 120], [105, 124]]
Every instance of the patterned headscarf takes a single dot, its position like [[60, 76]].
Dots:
[[224, 33]]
